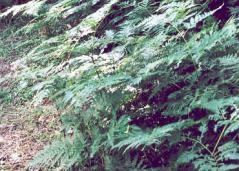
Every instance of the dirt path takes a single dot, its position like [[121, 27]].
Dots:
[[4, 68], [23, 132]]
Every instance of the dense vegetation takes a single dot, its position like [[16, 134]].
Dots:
[[140, 84]]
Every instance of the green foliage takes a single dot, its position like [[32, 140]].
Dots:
[[138, 138], [227, 153], [61, 153], [5, 96], [141, 84]]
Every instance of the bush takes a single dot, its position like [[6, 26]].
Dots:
[[140, 84]]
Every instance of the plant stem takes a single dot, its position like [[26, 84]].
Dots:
[[93, 61], [199, 142], [219, 139], [221, 135]]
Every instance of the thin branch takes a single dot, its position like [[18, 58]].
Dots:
[[204, 146], [219, 139]]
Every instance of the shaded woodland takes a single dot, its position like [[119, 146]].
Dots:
[[135, 84]]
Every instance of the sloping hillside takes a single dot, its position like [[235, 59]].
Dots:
[[138, 84]]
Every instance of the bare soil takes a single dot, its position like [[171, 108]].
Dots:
[[24, 132], [4, 68]]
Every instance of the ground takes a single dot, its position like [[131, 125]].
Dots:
[[24, 130]]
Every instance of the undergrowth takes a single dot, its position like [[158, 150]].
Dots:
[[141, 84]]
